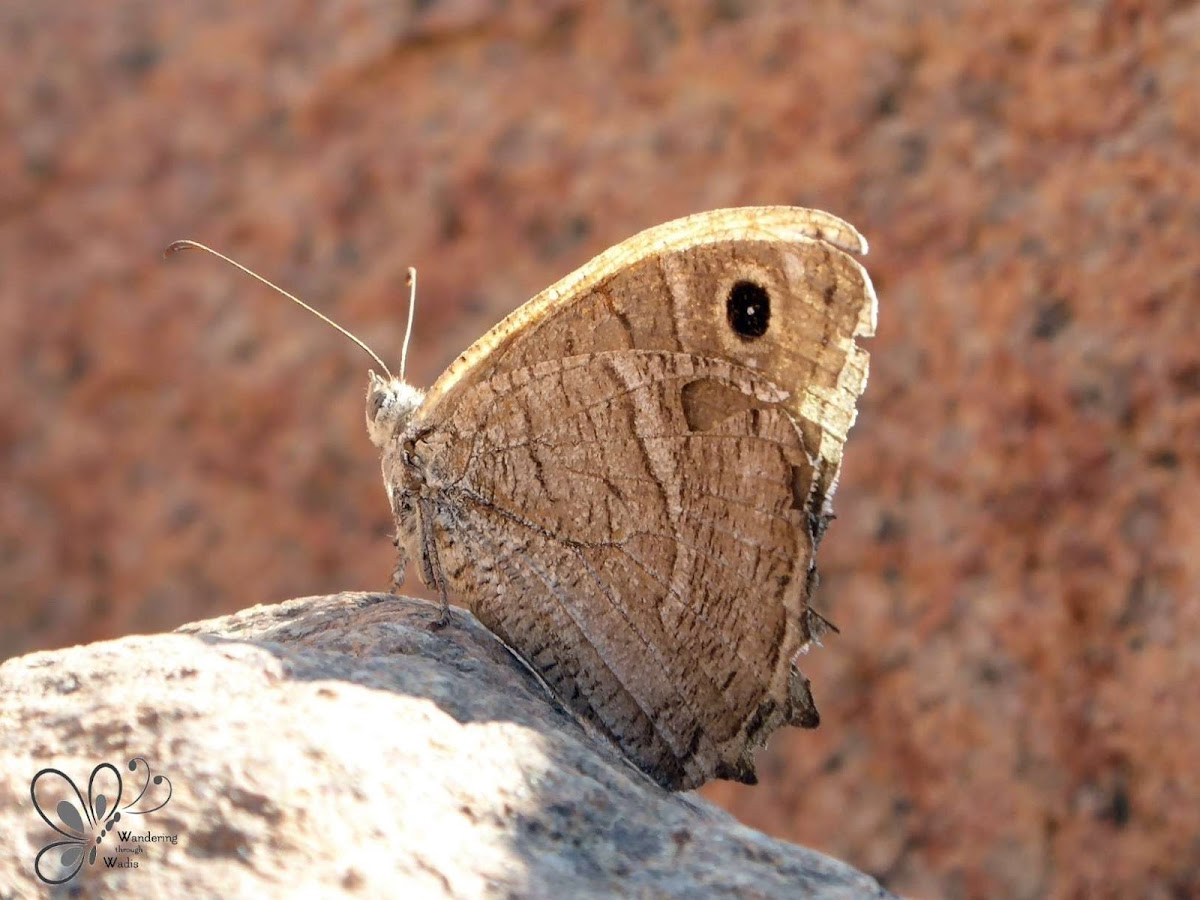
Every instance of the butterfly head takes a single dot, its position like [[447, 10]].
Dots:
[[390, 405]]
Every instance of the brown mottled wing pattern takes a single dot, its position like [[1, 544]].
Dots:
[[652, 571], [665, 289], [628, 487]]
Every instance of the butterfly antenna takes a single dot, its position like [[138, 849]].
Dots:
[[194, 245], [412, 305]]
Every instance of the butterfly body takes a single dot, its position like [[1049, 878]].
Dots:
[[626, 479]]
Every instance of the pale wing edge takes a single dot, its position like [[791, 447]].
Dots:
[[791, 224]]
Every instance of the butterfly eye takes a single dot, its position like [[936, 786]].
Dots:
[[377, 400], [748, 308]]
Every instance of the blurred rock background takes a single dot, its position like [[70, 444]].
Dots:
[[1010, 709]]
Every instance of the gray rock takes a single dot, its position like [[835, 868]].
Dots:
[[339, 746]]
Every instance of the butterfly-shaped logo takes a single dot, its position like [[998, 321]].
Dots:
[[84, 824]]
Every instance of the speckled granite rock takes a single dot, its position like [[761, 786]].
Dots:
[[1008, 711], [340, 744]]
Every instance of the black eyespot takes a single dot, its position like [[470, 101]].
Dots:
[[748, 308]]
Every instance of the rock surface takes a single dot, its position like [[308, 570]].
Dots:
[[340, 744], [1010, 708]]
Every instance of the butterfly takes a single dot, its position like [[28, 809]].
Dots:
[[627, 478]]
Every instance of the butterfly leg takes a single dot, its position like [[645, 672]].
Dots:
[[443, 618], [434, 576], [401, 567]]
